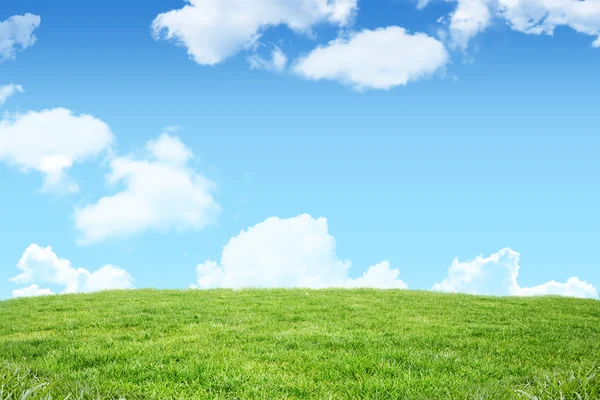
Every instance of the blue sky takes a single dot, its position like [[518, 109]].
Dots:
[[418, 139]]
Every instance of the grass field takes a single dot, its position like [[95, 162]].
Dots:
[[298, 344]]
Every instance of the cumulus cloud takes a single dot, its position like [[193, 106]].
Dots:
[[375, 59], [32, 291], [528, 16], [213, 31], [162, 191], [574, 287], [286, 253], [16, 33], [276, 63], [380, 276], [51, 141], [497, 275], [7, 91], [42, 265]]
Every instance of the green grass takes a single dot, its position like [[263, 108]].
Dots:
[[297, 344]]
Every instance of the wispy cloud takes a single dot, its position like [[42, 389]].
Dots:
[[7, 91], [16, 33]]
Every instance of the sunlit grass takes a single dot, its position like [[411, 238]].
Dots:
[[294, 344]]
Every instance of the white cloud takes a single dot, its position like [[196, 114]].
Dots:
[[42, 265], [380, 276], [106, 278], [421, 4], [497, 275], [528, 16], [213, 30], [470, 18], [7, 91], [543, 16], [16, 33], [170, 149], [294, 252], [31, 291], [51, 141], [573, 288], [162, 191], [378, 59], [277, 63]]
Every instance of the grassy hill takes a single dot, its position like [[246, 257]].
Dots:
[[297, 344]]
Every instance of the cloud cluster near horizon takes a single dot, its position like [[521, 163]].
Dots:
[[288, 253], [300, 252], [296, 252], [40, 265], [497, 275]]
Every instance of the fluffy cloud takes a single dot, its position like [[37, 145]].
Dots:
[[7, 91], [215, 30], [162, 191], [51, 141], [42, 265], [528, 16], [16, 33], [376, 59], [573, 288], [32, 291], [294, 252], [380, 276], [497, 275], [277, 63]]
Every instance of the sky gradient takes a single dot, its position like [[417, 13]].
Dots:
[[386, 134]]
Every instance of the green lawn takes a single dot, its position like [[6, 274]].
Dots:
[[297, 344]]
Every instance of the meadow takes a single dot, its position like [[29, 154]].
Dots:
[[298, 344]]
